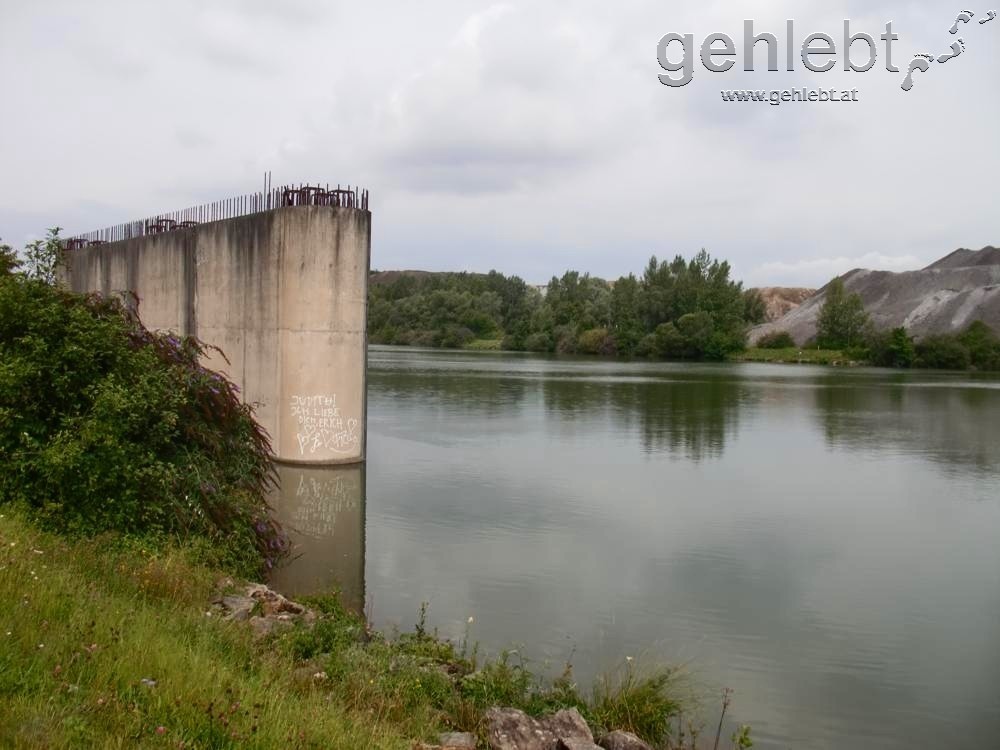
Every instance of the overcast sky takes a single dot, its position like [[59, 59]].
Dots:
[[530, 137]]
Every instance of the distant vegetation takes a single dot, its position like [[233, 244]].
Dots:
[[107, 426], [845, 327], [682, 309], [776, 340], [843, 322]]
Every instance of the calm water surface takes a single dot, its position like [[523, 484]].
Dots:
[[823, 541]]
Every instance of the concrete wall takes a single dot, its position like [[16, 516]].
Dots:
[[283, 294]]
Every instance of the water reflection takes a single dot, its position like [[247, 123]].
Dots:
[[686, 411], [689, 418], [821, 540], [949, 423], [323, 510]]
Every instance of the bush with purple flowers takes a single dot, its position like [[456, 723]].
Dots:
[[106, 425]]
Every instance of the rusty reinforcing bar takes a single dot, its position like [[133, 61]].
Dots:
[[241, 205]]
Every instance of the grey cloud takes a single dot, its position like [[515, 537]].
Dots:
[[193, 139], [479, 112]]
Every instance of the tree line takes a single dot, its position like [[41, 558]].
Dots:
[[681, 309], [844, 324]]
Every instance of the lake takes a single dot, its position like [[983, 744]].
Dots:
[[823, 541]]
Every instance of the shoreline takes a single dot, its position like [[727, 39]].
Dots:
[[110, 636], [794, 356]]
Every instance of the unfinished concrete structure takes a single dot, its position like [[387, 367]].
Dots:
[[278, 281]]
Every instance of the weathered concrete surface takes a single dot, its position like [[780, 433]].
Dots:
[[322, 508], [943, 298], [283, 294]]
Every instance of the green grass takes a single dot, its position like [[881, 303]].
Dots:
[[485, 345], [795, 355], [83, 623]]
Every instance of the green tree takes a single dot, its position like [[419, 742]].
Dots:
[[983, 345], [842, 319], [891, 348], [9, 261], [44, 258], [625, 319], [667, 342], [754, 307], [943, 352], [696, 330], [902, 353], [426, 308]]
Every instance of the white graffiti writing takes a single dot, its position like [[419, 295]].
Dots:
[[318, 502], [321, 426]]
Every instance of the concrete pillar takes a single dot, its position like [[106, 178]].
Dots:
[[282, 294]]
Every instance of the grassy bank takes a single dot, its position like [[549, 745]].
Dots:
[[794, 355], [485, 345], [113, 644]]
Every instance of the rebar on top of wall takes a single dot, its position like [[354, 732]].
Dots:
[[230, 208]]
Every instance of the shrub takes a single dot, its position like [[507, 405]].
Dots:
[[891, 349], [667, 341], [511, 343], [647, 346], [943, 352], [105, 425], [565, 337], [386, 335], [776, 340], [596, 341], [697, 329], [983, 345], [722, 343], [455, 337], [538, 342], [417, 338]]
